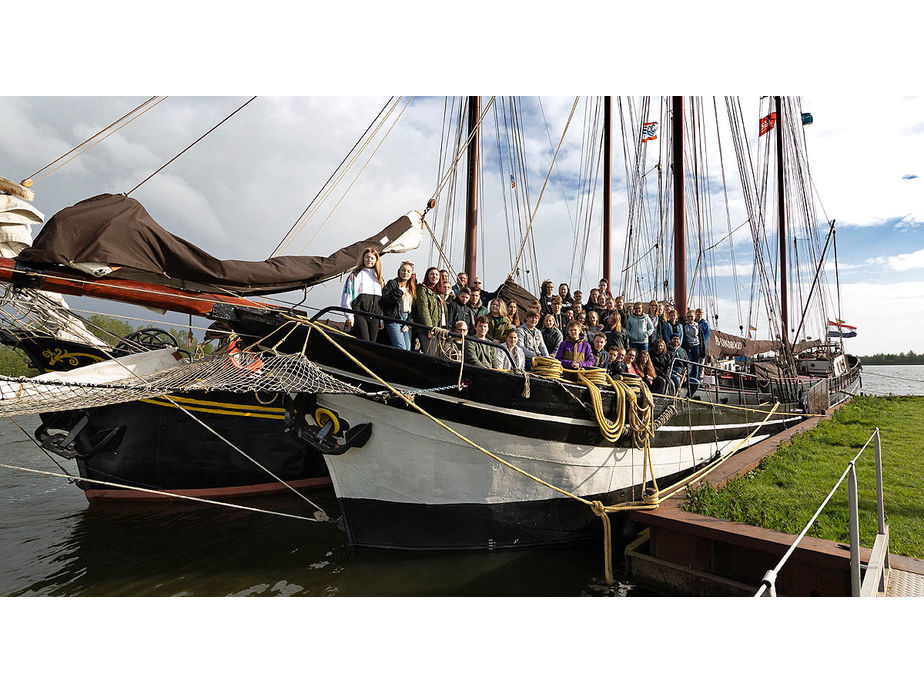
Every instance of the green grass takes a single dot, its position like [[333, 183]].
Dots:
[[786, 489]]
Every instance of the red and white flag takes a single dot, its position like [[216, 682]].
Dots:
[[841, 323], [839, 328], [649, 131], [766, 124]]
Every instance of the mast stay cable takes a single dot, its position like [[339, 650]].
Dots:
[[31, 180], [212, 129]]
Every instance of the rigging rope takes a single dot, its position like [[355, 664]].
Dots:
[[529, 228], [319, 515], [340, 175], [356, 178], [190, 146], [462, 150], [32, 180], [352, 149]]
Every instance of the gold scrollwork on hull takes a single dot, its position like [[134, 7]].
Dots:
[[72, 358]]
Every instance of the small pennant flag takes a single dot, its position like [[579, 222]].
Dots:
[[649, 131], [766, 124], [513, 183], [839, 328]]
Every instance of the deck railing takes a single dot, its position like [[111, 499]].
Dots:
[[742, 383], [499, 346], [877, 569]]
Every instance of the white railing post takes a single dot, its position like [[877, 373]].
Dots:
[[854, 530], [880, 499], [768, 584], [879, 506]]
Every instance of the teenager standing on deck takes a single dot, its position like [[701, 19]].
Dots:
[[362, 291]]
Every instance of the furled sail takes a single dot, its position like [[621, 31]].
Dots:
[[115, 231], [45, 307], [723, 345]]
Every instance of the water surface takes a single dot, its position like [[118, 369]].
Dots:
[[54, 543]]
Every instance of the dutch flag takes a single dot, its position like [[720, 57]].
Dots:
[[839, 328]]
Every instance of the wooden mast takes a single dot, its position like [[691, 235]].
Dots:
[[680, 236], [471, 198], [781, 213], [607, 176]]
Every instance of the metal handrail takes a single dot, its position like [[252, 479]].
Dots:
[[768, 583], [409, 323]]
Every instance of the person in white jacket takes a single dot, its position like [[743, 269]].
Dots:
[[362, 290], [512, 337], [531, 340]]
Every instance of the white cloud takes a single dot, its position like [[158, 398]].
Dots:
[[900, 263], [885, 315], [860, 150]]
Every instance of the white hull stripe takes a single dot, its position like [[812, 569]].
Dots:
[[444, 470]]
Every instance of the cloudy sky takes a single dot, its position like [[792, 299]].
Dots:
[[238, 192]]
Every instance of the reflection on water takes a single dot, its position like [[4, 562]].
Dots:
[[54, 543]]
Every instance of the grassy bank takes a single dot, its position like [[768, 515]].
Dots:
[[786, 489]]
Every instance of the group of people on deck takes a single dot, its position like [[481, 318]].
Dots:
[[650, 341]]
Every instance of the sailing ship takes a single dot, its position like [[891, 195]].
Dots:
[[478, 458], [153, 444]]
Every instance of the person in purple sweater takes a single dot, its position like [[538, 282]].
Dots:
[[574, 352]]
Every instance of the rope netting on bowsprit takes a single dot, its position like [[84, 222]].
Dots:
[[241, 371]]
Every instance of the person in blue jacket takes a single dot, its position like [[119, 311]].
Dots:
[[671, 326], [699, 317], [695, 346]]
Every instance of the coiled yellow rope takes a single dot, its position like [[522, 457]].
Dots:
[[547, 367]]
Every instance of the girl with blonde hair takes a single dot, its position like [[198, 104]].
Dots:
[[398, 299]]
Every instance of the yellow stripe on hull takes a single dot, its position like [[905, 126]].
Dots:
[[211, 410]]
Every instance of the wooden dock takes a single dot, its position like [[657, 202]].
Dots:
[[694, 555]]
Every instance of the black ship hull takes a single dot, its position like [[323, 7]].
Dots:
[[152, 444]]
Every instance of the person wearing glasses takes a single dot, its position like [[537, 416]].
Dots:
[[486, 295]]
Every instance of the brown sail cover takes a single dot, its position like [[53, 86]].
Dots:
[[117, 230], [723, 345], [511, 291]]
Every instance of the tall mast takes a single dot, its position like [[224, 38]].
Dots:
[[781, 211], [471, 197], [680, 236], [607, 175]]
